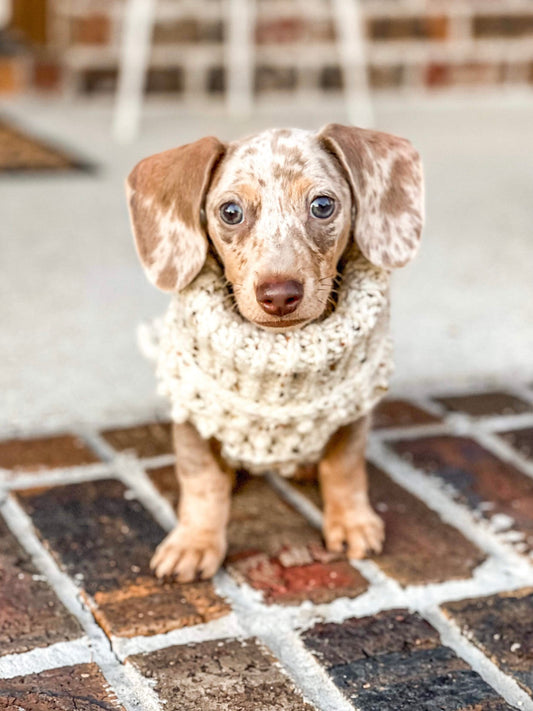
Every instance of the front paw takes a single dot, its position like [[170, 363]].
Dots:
[[189, 554], [359, 530]]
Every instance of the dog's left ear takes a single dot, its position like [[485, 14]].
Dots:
[[385, 174], [166, 193]]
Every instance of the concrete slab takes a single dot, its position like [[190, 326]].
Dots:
[[72, 291]]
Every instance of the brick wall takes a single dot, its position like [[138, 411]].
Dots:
[[419, 44]]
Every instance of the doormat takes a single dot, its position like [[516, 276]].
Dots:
[[21, 152]]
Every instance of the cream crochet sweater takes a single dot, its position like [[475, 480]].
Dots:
[[272, 399]]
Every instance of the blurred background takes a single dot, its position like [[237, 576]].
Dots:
[[88, 87]]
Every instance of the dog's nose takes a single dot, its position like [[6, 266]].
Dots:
[[279, 298]]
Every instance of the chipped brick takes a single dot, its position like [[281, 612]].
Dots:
[[44, 453], [497, 624], [274, 549], [394, 660], [104, 538], [228, 674], [79, 688], [400, 413], [419, 547], [495, 490], [521, 440], [148, 440], [486, 404], [30, 613]]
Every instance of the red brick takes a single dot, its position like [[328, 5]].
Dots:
[[280, 30], [13, 74], [476, 73], [188, 31], [228, 674], [92, 29], [400, 413], [503, 25], [47, 74], [500, 626], [148, 440], [286, 30], [30, 613], [479, 480], [44, 453], [274, 549], [486, 404], [521, 440], [385, 77], [419, 547], [104, 539], [268, 78], [79, 688], [401, 28], [393, 660], [437, 74]]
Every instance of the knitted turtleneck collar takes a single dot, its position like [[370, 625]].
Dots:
[[273, 399]]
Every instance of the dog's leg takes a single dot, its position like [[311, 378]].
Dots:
[[348, 517], [197, 546]]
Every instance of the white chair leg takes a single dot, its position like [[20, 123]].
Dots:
[[351, 43], [239, 48], [136, 42]]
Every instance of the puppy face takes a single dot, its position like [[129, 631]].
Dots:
[[279, 208], [279, 212]]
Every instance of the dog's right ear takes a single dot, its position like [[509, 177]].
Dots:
[[166, 194]]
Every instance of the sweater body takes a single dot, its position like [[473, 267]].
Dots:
[[273, 400]]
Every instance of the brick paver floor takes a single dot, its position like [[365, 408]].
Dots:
[[442, 620]]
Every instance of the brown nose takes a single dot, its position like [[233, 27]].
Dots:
[[279, 297]]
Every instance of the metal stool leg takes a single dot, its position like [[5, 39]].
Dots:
[[351, 42], [134, 58]]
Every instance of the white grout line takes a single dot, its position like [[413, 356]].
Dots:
[[524, 392], [223, 628], [161, 460], [451, 636], [98, 644], [411, 431], [309, 677], [61, 654], [131, 472], [295, 499], [504, 451], [21, 526], [142, 688], [277, 625], [431, 491], [96, 442], [54, 477], [503, 423]]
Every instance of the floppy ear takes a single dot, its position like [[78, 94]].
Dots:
[[385, 174], [166, 195]]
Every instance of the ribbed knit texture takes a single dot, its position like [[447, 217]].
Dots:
[[273, 399]]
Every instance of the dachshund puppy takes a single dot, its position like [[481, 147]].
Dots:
[[280, 214]]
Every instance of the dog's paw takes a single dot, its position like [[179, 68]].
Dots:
[[189, 554], [359, 531]]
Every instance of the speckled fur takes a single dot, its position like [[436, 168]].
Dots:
[[175, 199]]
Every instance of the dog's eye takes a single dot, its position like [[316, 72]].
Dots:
[[322, 207], [231, 213]]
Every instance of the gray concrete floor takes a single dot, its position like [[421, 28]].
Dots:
[[72, 292]]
